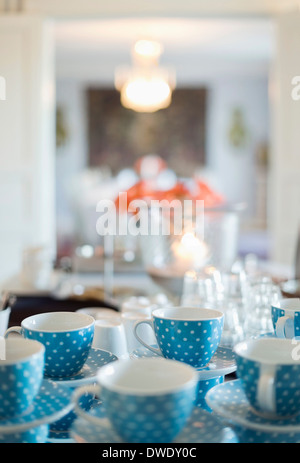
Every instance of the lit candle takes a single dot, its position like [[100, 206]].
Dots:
[[190, 252]]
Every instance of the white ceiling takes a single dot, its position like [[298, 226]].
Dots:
[[86, 45], [192, 8], [232, 36]]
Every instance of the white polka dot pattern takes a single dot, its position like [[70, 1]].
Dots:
[[36, 435], [277, 313], [222, 363], [50, 404], [19, 384], [286, 385], [193, 342], [149, 419], [202, 427], [66, 351], [96, 359], [230, 402]]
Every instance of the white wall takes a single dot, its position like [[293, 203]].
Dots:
[[27, 213], [285, 172], [235, 167]]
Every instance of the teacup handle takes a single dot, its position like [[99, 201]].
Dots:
[[150, 323], [14, 329], [93, 389], [266, 392], [281, 327]]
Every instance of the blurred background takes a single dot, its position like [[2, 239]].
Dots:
[[68, 141]]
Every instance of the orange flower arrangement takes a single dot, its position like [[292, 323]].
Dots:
[[146, 190]]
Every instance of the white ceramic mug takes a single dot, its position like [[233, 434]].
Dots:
[[4, 320], [100, 313], [110, 336], [140, 305], [129, 320]]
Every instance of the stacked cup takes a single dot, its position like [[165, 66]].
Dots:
[[65, 339], [265, 401], [21, 375], [269, 367], [149, 400], [269, 370], [286, 318], [146, 400], [189, 335]]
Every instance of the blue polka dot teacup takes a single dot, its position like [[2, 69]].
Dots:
[[269, 370], [67, 337], [21, 374], [146, 400], [189, 335], [286, 318]]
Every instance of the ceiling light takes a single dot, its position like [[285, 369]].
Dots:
[[145, 87]]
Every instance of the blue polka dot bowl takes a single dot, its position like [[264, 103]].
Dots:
[[269, 370], [286, 318], [146, 400], [21, 375], [189, 335], [67, 337]]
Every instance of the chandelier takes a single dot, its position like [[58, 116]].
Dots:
[[145, 87]]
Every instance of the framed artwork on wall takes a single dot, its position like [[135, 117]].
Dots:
[[117, 136]]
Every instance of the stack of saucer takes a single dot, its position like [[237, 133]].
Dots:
[[192, 336], [42, 367], [221, 364], [146, 400], [154, 395], [263, 405], [87, 375], [28, 402]]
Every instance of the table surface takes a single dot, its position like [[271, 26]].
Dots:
[[56, 296]]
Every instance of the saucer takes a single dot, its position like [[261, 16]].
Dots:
[[51, 403], [222, 363], [59, 437], [229, 401], [273, 335], [96, 359], [202, 427]]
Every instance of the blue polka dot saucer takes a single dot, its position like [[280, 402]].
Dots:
[[51, 403], [59, 437], [87, 375], [222, 363], [202, 427], [229, 401], [272, 335]]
